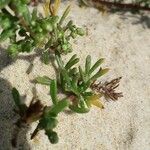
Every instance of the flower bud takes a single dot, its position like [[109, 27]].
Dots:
[[80, 31], [47, 26], [73, 35]]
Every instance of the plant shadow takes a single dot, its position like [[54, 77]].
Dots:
[[139, 17], [6, 60], [8, 118]]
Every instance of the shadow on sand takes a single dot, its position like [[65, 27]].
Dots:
[[8, 117], [8, 129], [139, 17]]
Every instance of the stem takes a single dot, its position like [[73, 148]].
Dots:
[[121, 5]]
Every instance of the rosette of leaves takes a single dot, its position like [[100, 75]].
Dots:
[[46, 32], [75, 82]]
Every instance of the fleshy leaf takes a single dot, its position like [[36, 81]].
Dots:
[[43, 80], [53, 91]]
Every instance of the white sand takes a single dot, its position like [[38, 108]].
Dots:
[[122, 125]]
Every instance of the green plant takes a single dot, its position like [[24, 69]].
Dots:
[[76, 83], [36, 31]]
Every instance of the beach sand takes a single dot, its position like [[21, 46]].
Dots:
[[124, 42]]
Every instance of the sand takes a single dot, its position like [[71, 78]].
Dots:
[[124, 42]]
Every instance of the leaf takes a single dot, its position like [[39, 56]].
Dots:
[[100, 73], [27, 16], [59, 62], [88, 64], [17, 100], [34, 14], [95, 100], [3, 3], [64, 15], [70, 60], [66, 77], [97, 103], [72, 63], [73, 71], [53, 91], [61, 105], [87, 94], [79, 110], [82, 74], [48, 123], [74, 86], [22, 9], [6, 34], [43, 80], [96, 65]]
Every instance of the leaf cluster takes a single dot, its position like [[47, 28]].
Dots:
[[49, 34], [35, 30], [75, 82]]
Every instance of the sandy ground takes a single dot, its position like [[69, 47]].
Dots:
[[122, 125]]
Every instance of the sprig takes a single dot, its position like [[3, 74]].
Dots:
[[75, 82], [49, 120], [52, 36], [36, 31]]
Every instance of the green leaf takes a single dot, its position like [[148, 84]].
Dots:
[[71, 63], [17, 100], [48, 123], [70, 60], [13, 50], [61, 105], [59, 62], [3, 3], [96, 65], [34, 14], [66, 77], [53, 91], [79, 110], [73, 71], [100, 73], [82, 74], [86, 94], [43, 80], [88, 64], [64, 15], [6, 34], [24, 11], [26, 46], [74, 84]]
